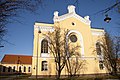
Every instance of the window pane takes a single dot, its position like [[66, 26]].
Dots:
[[98, 49], [9, 69], [101, 66], [4, 68], [73, 38], [44, 66], [29, 69], [14, 69], [20, 69], [44, 46], [24, 69]]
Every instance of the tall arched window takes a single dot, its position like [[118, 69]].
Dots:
[[14, 69], [9, 69], [20, 69], [24, 69], [44, 46], [29, 69], [98, 48]]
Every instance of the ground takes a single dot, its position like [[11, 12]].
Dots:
[[27, 77]]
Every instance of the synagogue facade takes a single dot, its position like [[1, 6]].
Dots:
[[80, 32]]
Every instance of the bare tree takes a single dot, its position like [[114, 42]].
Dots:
[[12, 8], [57, 46], [74, 62], [64, 53], [110, 47], [75, 65]]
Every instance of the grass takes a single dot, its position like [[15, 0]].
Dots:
[[26, 77]]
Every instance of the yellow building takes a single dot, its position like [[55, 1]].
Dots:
[[43, 62]]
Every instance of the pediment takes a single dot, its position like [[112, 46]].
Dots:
[[74, 15]]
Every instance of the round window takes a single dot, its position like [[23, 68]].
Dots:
[[73, 38]]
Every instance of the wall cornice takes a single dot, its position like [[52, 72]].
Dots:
[[44, 28], [97, 33]]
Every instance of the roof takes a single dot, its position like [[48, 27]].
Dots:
[[14, 59]]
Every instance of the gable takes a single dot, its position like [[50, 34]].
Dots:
[[71, 13]]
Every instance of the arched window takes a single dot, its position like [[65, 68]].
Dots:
[[29, 69], [20, 69], [24, 69], [44, 66], [9, 69], [14, 69], [98, 48], [101, 66], [44, 46]]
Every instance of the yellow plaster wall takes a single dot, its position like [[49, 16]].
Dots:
[[89, 40]]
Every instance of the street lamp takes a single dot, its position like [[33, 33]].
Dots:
[[39, 31], [107, 19]]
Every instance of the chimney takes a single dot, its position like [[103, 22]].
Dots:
[[71, 9]]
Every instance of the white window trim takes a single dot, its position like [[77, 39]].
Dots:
[[44, 54], [81, 40]]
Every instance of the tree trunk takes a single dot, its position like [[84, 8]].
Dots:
[[59, 67], [59, 72], [114, 72]]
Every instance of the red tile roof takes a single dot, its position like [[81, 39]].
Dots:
[[14, 59]]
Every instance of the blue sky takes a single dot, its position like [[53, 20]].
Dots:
[[20, 35]]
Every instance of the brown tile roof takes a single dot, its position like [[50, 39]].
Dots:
[[14, 59]]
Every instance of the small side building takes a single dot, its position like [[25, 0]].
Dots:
[[16, 64]]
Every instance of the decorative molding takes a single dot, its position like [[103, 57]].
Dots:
[[97, 33], [81, 40], [71, 8], [44, 28], [86, 58], [83, 58], [45, 55], [72, 14]]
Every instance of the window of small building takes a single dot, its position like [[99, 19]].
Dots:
[[44, 46], [9, 69], [24, 69], [29, 69], [98, 48], [4, 68], [20, 69], [14, 69], [44, 66], [101, 65]]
